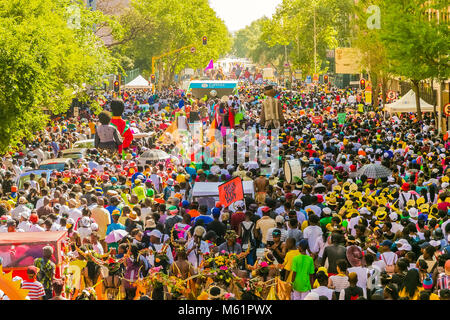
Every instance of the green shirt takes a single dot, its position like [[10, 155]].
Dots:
[[303, 266]]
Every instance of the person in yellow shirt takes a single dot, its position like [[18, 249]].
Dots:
[[92, 128], [291, 252], [411, 286]]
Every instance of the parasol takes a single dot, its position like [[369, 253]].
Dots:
[[115, 236], [374, 171], [155, 154]]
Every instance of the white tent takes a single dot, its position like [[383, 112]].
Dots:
[[408, 104], [139, 82]]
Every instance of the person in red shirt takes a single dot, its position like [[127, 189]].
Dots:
[[238, 216], [35, 288]]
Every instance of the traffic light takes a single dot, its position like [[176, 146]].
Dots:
[[153, 78], [116, 86], [362, 82], [205, 40], [325, 79]]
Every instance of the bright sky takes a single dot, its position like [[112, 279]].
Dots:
[[239, 13]]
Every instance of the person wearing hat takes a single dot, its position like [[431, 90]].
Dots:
[[35, 289], [356, 259], [230, 245], [35, 227], [21, 207], [196, 247], [387, 256], [46, 269], [24, 223], [133, 222], [156, 246]]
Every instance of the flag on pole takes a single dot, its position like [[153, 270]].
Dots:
[[210, 65]]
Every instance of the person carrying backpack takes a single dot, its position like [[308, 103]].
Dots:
[[248, 239]]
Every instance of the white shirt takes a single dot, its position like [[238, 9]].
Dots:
[[15, 213], [36, 228], [192, 257], [98, 248], [158, 247], [25, 226], [396, 227], [362, 277], [312, 233], [352, 223], [324, 291], [74, 214], [39, 203]]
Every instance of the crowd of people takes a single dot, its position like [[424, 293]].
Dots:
[[332, 234]]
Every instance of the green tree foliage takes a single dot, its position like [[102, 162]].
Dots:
[[417, 47], [48, 55], [293, 24], [175, 24], [251, 42], [366, 38]]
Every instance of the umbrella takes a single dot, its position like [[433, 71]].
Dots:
[[115, 236], [155, 154], [374, 171]]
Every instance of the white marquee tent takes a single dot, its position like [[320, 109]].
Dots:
[[139, 83], [407, 103]]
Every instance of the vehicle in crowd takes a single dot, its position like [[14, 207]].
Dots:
[[75, 153], [58, 164], [201, 88], [88, 144], [27, 246], [25, 176]]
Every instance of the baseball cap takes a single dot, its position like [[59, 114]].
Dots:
[[386, 243], [276, 233]]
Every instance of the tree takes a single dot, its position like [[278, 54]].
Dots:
[[176, 24], [417, 46], [372, 49], [293, 24], [252, 42], [49, 54]]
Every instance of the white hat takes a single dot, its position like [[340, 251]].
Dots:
[[444, 185], [170, 182], [25, 214], [326, 210], [364, 210], [94, 227], [279, 219], [413, 212], [85, 222], [156, 233], [393, 216], [435, 243], [391, 179], [402, 244]]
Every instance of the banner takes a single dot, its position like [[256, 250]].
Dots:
[[341, 118], [348, 60], [231, 191]]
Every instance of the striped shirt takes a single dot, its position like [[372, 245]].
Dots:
[[339, 282], [36, 289]]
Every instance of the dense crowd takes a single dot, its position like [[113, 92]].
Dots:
[[332, 234]]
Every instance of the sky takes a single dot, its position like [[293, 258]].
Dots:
[[239, 13]]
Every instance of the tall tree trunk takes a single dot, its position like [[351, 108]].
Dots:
[[416, 89], [383, 90]]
